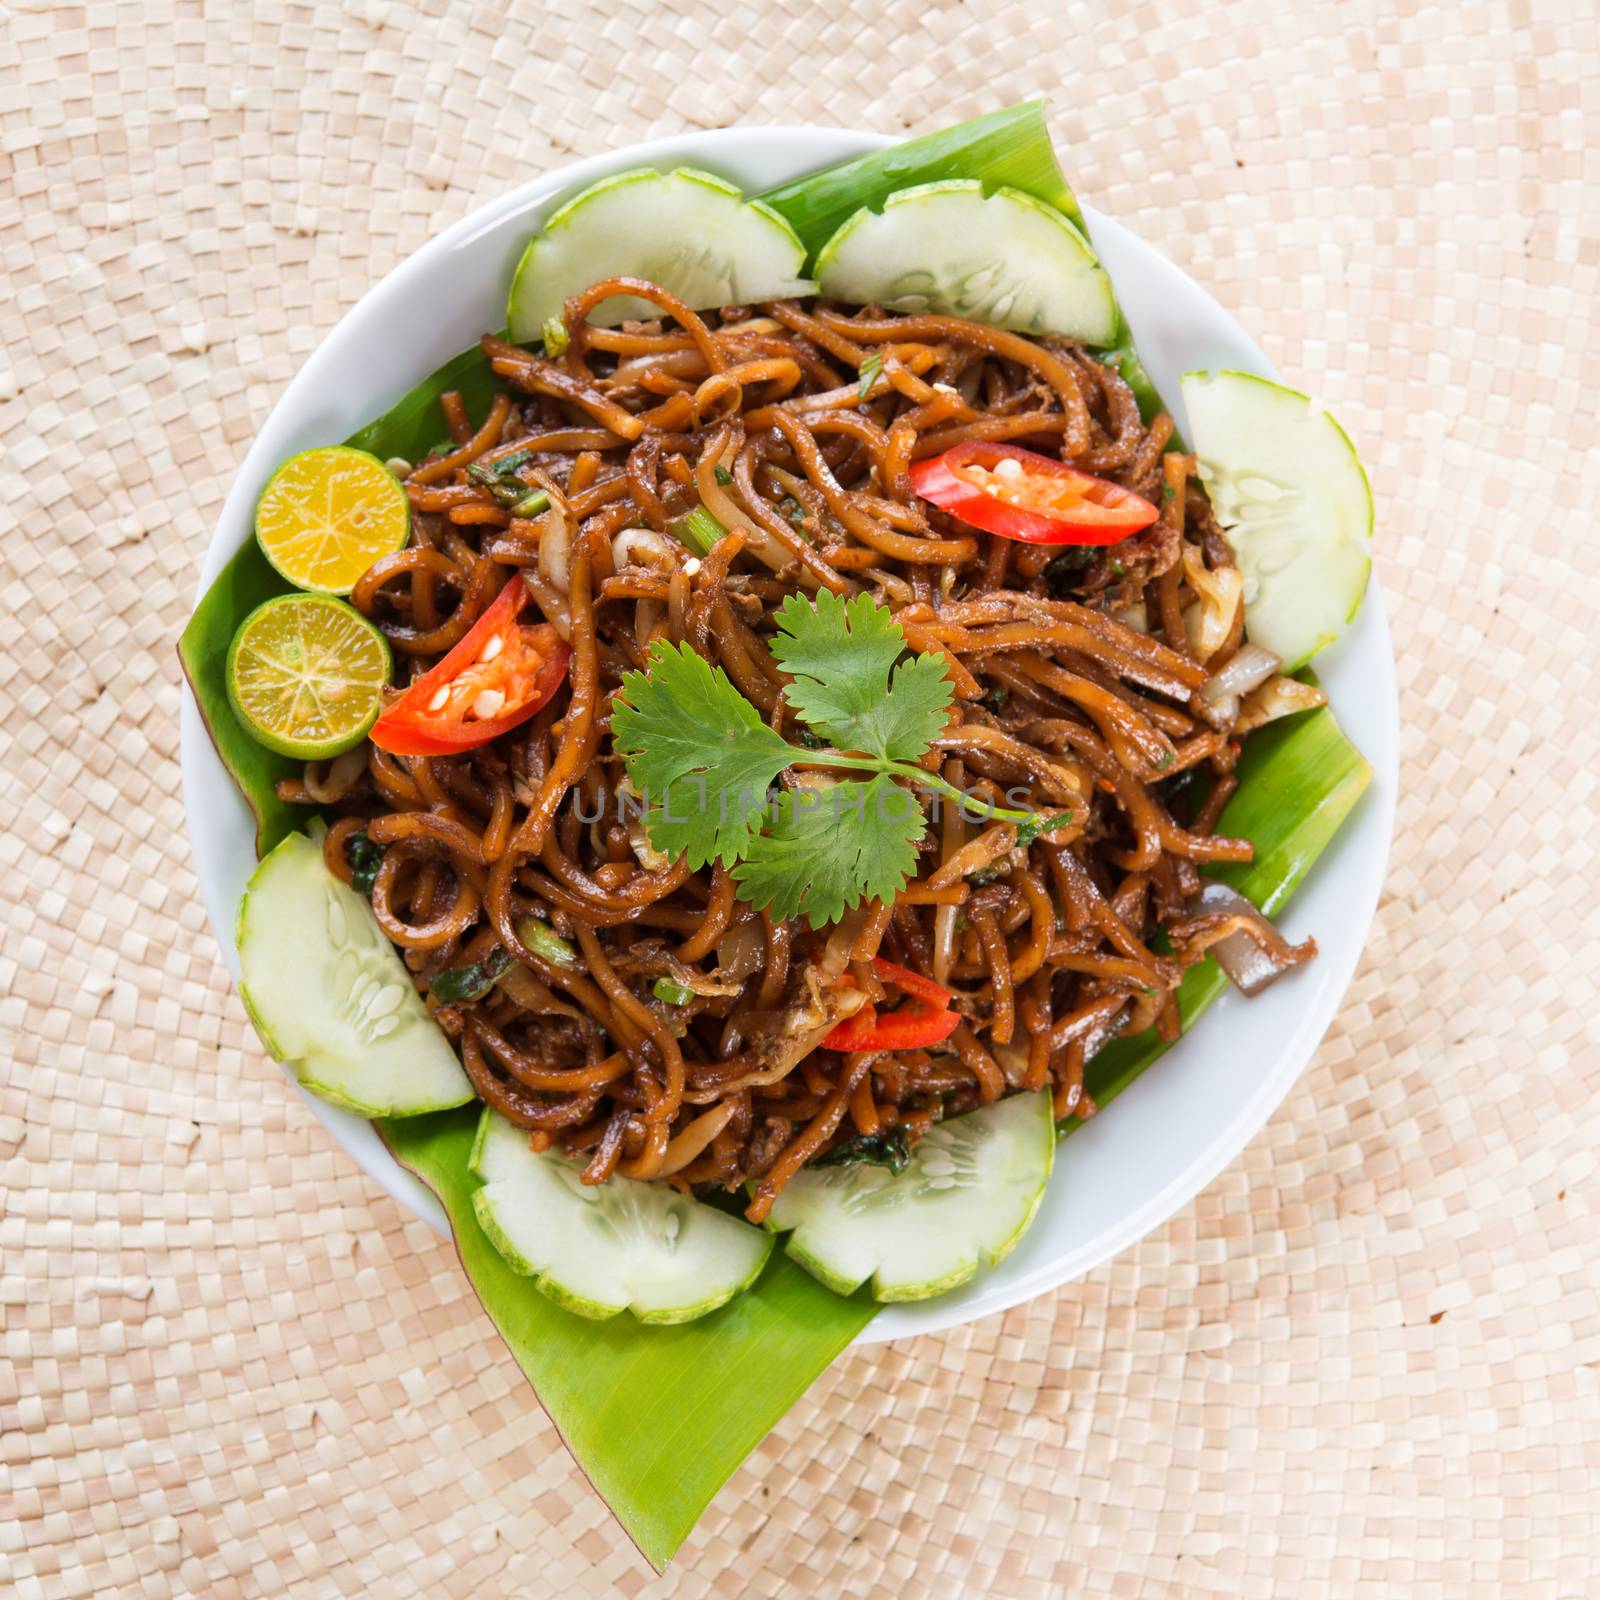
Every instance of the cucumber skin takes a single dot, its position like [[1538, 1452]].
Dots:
[[1294, 662], [963, 1272], [928, 193], [593, 1309], [527, 327], [301, 1066], [580, 1305], [987, 1258]]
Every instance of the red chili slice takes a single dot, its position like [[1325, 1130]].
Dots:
[[1020, 494], [498, 676], [913, 983], [909, 1028]]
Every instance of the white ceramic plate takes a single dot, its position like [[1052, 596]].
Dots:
[[1185, 1119]]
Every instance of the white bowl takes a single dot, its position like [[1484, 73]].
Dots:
[[1185, 1119]]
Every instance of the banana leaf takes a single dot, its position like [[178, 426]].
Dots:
[[1298, 780], [239, 588], [658, 1418], [1010, 148]]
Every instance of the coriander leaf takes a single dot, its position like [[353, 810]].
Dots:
[[891, 1149], [829, 848], [699, 752], [840, 654]]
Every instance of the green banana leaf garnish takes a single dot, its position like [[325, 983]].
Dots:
[[240, 587], [660, 1417], [1298, 780], [1009, 148]]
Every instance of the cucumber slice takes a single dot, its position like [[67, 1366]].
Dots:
[[969, 1193], [689, 231], [1286, 483], [330, 996], [597, 1249], [1008, 260]]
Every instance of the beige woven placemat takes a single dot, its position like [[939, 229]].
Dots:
[[1365, 1362]]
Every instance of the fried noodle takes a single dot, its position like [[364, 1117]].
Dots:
[[1078, 676]]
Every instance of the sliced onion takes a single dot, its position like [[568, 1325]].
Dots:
[[555, 550], [974, 856], [651, 859], [685, 1146], [552, 602], [1013, 1059], [630, 540], [1277, 697], [739, 951], [326, 786], [836, 953], [1220, 593], [1246, 669], [534, 994], [1136, 616], [647, 615], [1252, 960]]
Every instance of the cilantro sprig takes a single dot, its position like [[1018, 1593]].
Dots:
[[707, 762]]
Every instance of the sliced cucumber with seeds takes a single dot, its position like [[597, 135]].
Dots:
[[330, 996], [1286, 483], [972, 1187], [600, 1248], [691, 232], [1007, 259]]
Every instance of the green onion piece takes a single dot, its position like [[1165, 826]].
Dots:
[[539, 938], [722, 475], [699, 530], [674, 994], [555, 337], [365, 858], [871, 371], [471, 982], [1010, 148], [489, 473], [530, 505], [1039, 823]]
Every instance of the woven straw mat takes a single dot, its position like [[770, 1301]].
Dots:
[[1364, 1362]]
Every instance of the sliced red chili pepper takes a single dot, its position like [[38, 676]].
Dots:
[[1020, 494], [498, 676], [935, 994], [909, 1028]]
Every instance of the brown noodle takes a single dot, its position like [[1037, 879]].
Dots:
[[1074, 679]]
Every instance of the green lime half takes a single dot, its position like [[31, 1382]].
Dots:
[[326, 515], [306, 674]]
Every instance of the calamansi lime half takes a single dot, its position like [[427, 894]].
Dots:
[[306, 674], [328, 514]]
